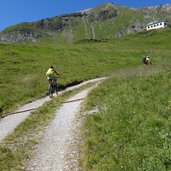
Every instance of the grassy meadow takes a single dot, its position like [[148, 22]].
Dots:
[[132, 129], [23, 66]]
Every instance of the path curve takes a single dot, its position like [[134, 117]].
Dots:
[[55, 151], [9, 123]]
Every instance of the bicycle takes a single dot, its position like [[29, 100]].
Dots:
[[52, 88]]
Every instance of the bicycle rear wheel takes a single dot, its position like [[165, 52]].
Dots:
[[50, 91]]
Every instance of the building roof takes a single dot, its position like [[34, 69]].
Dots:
[[155, 22]]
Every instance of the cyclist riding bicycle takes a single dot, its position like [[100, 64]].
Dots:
[[146, 60], [52, 81]]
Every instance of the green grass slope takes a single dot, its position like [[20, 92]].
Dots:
[[23, 66], [132, 129]]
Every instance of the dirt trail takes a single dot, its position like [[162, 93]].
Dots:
[[9, 123], [57, 150], [92, 29]]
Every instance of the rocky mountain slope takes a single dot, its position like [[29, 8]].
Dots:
[[106, 21]]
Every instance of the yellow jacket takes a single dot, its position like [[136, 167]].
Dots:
[[50, 73]]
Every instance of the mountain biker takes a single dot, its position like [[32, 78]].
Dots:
[[146, 60], [51, 74]]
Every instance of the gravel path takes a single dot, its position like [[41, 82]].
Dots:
[[9, 123], [58, 149]]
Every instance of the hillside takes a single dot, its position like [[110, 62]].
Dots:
[[25, 65], [131, 129], [106, 21]]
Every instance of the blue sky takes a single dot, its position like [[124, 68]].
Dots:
[[16, 11]]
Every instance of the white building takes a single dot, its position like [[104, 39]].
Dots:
[[156, 25]]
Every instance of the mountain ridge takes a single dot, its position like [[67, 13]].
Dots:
[[106, 21]]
